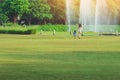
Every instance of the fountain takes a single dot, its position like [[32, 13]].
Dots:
[[68, 13], [71, 19], [87, 17], [103, 17], [95, 16]]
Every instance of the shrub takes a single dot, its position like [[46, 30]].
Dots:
[[53, 27], [10, 24], [30, 31], [118, 28], [17, 30]]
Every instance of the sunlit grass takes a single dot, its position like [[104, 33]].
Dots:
[[59, 57]]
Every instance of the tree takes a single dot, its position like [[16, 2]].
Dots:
[[14, 8], [38, 9], [58, 10]]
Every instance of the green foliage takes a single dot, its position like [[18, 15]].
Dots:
[[118, 28], [10, 24], [3, 19], [53, 27], [17, 30], [13, 8], [38, 9]]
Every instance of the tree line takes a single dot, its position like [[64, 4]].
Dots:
[[32, 11]]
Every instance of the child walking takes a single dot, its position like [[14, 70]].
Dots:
[[74, 33]]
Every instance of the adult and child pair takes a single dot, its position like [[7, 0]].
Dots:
[[79, 32]]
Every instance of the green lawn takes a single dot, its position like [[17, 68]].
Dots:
[[59, 57]]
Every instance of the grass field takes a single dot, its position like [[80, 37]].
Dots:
[[35, 57]]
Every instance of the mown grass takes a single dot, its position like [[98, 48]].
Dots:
[[59, 57]]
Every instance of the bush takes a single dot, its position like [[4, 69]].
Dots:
[[118, 28], [10, 24], [16, 30], [30, 31], [60, 28]]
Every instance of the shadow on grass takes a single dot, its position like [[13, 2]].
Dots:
[[78, 65]]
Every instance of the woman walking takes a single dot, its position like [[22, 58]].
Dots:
[[79, 31]]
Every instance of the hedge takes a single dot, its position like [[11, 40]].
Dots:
[[8, 30]]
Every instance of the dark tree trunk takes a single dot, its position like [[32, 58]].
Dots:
[[29, 21], [15, 18], [45, 22]]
